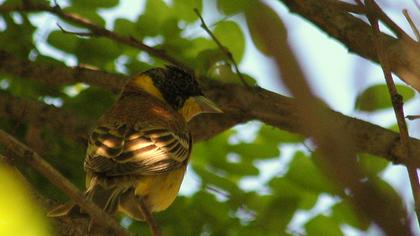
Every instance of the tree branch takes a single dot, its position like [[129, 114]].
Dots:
[[355, 34], [96, 30], [397, 103], [331, 17], [332, 140], [20, 150], [59, 74], [43, 115], [148, 217], [358, 37], [239, 104], [412, 25]]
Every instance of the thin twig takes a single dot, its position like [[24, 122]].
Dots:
[[372, 8], [413, 117], [412, 25], [37, 162], [83, 34], [215, 190], [154, 228], [95, 29], [398, 106], [228, 54]]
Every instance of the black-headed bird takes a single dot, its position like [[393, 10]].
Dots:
[[141, 146]]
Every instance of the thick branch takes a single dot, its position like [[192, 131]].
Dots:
[[239, 104], [358, 37], [335, 21], [355, 34], [58, 75], [43, 115]]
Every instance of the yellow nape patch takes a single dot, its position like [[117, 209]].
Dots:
[[146, 83]]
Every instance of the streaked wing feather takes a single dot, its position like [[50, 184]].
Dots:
[[120, 151]]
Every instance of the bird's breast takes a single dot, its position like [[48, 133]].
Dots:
[[159, 191]]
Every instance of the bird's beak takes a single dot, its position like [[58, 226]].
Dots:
[[197, 105]]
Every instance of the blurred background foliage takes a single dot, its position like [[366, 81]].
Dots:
[[19, 215], [233, 187]]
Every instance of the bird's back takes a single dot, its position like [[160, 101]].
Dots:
[[141, 108], [122, 132]]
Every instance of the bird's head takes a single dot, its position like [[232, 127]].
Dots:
[[177, 88]]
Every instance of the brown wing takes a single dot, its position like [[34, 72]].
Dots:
[[120, 150]]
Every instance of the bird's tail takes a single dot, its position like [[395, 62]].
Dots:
[[68, 208], [129, 205], [108, 198], [105, 198]]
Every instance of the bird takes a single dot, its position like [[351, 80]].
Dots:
[[140, 147]]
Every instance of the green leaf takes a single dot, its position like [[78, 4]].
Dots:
[[388, 190], [372, 164], [377, 97], [231, 36], [95, 4], [100, 52], [155, 14], [255, 150], [323, 225], [240, 169], [135, 66], [91, 102], [207, 201], [31, 88], [278, 213], [305, 199], [343, 213], [308, 200], [173, 42], [17, 38], [304, 173], [208, 58], [126, 27], [48, 60], [394, 127], [198, 45], [224, 72], [209, 178], [184, 9], [63, 41], [275, 136], [215, 148], [229, 7], [171, 31]]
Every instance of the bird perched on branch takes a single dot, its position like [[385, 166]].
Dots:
[[140, 148]]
